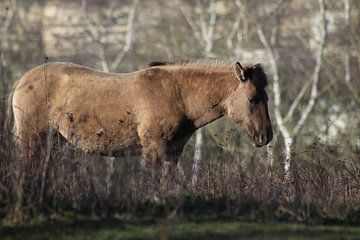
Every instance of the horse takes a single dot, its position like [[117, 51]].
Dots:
[[151, 112]]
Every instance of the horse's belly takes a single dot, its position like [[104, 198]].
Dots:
[[106, 140], [104, 145]]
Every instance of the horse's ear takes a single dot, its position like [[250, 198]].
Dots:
[[257, 66], [240, 72]]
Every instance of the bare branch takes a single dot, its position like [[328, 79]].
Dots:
[[192, 25], [10, 12], [128, 38], [234, 29], [210, 32], [204, 35], [316, 75], [103, 61], [347, 67], [296, 101], [203, 25], [347, 50], [82, 9], [347, 5]]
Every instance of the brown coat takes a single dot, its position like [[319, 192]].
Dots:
[[154, 110]]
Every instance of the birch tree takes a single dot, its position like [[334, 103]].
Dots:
[[203, 27], [347, 4], [94, 31], [347, 51], [283, 118]]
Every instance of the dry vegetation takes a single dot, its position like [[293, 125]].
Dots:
[[324, 187]]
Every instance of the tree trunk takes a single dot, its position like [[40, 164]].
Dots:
[[197, 156], [288, 155]]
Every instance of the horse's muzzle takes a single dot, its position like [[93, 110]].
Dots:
[[263, 138]]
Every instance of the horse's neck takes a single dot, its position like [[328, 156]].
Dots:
[[203, 92]]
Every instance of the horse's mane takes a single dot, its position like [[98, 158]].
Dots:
[[194, 62], [261, 79]]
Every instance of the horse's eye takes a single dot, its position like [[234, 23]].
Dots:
[[254, 100]]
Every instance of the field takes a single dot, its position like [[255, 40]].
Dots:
[[116, 229], [71, 195]]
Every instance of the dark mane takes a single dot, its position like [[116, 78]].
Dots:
[[157, 63], [258, 75]]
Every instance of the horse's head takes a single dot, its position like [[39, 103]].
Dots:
[[247, 105]]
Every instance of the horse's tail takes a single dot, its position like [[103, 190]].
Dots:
[[9, 122]]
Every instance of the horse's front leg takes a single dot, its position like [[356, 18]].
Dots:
[[170, 168], [158, 156], [161, 165], [151, 161], [167, 175]]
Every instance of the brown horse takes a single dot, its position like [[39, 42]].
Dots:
[[153, 111]]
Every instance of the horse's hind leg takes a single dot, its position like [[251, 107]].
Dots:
[[27, 162], [29, 144]]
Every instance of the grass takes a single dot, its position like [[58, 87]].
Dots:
[[162, 229], [323, 188]]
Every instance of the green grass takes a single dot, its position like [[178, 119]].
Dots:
[[116, 229]]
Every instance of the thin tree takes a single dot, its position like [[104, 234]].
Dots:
[[347, 6], [289, 134]]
